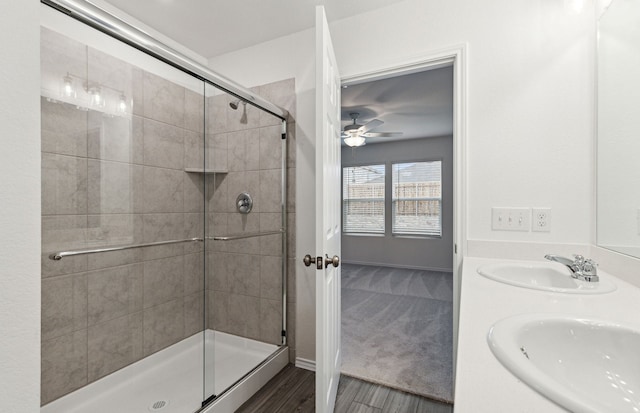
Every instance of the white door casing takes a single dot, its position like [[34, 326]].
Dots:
[[328, 218]]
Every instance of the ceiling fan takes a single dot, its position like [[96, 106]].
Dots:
[[354, 134]]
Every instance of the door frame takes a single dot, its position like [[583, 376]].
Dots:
[[457, 57]]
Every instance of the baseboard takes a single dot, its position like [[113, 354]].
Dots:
[[306, 364], [387, 265]]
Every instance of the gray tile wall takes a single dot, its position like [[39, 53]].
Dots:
[[121, 180], [245, 276]]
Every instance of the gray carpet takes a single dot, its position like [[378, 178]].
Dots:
[[397, 328]]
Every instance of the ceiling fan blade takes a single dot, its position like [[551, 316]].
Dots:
[[381, 134], [370, 125]]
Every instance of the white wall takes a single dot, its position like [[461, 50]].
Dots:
[[530, 87], [407, 252], [529, 110], [20, 207]]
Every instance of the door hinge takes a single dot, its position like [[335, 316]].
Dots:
[[455, 248]]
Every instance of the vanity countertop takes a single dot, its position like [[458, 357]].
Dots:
[[482, 383]]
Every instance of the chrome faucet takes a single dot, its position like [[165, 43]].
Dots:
[[581, 268]]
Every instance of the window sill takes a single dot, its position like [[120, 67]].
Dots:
[[416, 236], [362, 234]]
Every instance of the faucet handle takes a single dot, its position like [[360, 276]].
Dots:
[[590, 267], [579, 259]]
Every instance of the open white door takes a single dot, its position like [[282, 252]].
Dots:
[[328, 186]]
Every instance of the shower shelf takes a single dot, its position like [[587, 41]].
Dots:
[[205, 171]]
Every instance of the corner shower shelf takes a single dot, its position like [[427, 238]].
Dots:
[[205, 171]]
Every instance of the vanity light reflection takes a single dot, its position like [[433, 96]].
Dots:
[[95, 96]]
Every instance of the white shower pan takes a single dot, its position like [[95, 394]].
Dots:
[[172, 380]]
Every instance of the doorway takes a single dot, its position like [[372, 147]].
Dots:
[[398, 277]]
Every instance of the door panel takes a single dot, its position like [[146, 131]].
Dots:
[[328, 355]]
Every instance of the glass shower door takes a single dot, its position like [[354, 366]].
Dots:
[[245, 164], [123, 229]]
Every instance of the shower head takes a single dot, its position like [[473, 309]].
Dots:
[[236, 103]]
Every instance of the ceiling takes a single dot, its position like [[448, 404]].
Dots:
[[214, 27], [420, 105]]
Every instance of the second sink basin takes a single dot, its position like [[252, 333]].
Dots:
[[548, 276], [582, 364]]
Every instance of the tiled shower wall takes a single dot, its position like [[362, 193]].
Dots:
[[111, 180], [245, 285]]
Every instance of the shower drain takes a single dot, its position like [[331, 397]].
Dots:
[[159, 405]]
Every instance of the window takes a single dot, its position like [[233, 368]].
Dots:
[[417, 198], [363, 199]]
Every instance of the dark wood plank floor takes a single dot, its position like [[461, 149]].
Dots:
[[293, 390]]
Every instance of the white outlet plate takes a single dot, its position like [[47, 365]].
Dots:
[[541, 220], [511, 219]]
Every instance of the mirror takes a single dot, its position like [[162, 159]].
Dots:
[[618, 130]]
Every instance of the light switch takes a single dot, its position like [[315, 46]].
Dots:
[[511, 219]]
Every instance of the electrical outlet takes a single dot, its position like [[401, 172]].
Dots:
[[541, 219], [510, 219]]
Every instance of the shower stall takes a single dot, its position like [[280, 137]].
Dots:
[[164, 224]]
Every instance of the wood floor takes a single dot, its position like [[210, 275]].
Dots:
[[293, 390]]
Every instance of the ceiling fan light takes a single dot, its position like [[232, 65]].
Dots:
[[354, 141]]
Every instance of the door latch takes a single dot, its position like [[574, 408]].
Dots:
[[318, 261]]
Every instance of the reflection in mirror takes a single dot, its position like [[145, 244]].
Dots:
[[618, 199]]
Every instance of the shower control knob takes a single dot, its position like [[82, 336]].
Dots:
[[244, 203]]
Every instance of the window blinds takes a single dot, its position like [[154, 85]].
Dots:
[[417, 198], [363, 199]]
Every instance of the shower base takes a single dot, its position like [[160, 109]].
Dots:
[[173, 380]]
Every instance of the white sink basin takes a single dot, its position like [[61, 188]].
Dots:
[[548, 276], [584, 365]]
